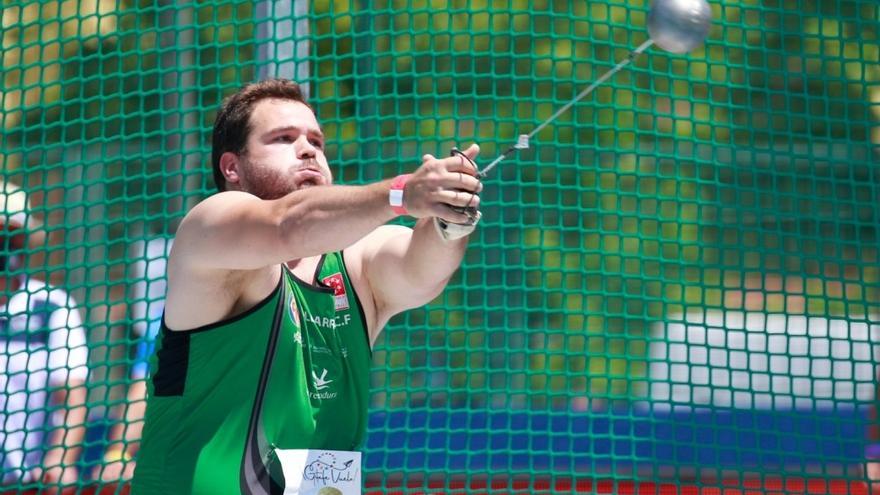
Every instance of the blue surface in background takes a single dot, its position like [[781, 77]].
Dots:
[[479, 441], [482, 441]]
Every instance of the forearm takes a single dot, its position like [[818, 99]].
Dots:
[[65, 440], [134, 417], [430, 261], [125, 435], [331, 218]]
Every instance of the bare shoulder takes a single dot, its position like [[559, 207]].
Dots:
[[190, 249], [212, 211], [200, 292], [198, 297]]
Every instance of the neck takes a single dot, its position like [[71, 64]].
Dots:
[[304, 268]]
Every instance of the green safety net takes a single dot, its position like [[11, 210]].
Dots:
[[674, 288]]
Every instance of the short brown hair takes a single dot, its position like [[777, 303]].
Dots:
[[233, 123]]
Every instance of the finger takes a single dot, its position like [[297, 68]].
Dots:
[[458, 198], [461, 180], [447, 213], [472, 151], [427, 157], [458, 163]]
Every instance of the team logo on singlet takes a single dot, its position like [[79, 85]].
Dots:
[[321, 384], [293, 310], [336, 282]]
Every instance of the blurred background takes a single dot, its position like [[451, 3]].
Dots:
[[678, 281]]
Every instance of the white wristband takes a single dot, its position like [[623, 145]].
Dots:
[[395, 194]]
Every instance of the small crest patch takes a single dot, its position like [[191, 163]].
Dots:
[[337, 283]]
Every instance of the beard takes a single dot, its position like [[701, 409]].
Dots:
[[269, 183]]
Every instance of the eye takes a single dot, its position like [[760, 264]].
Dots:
[[317, 143], [284, 138]]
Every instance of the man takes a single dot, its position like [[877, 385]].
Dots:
[[43, 357], [277, 288]]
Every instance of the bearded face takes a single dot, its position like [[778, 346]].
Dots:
[[285, 151], [265, 181]]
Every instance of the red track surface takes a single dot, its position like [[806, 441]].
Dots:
[[769, 486]]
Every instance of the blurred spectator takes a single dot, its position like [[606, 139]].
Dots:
[[43, 358], [147, 304]]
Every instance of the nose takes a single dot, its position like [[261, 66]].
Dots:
[[304, 149]]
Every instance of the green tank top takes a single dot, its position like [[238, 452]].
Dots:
[[290, 373]]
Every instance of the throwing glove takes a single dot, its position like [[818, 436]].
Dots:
[[451, 231]]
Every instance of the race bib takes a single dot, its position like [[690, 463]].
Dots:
[[320, 472]]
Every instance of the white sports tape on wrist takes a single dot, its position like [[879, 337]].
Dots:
[[452, 231]]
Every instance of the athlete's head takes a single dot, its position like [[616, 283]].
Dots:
[[267, 141], [17, 225]]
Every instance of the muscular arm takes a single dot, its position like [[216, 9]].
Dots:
[[409, 268], [235, 233], [238, 231]]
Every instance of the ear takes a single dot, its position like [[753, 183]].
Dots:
[[229, 165]]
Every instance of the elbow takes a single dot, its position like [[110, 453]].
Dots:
[[293, 234], [287, 225], [290, 215]]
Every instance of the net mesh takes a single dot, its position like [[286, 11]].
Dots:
[[676, 284]]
